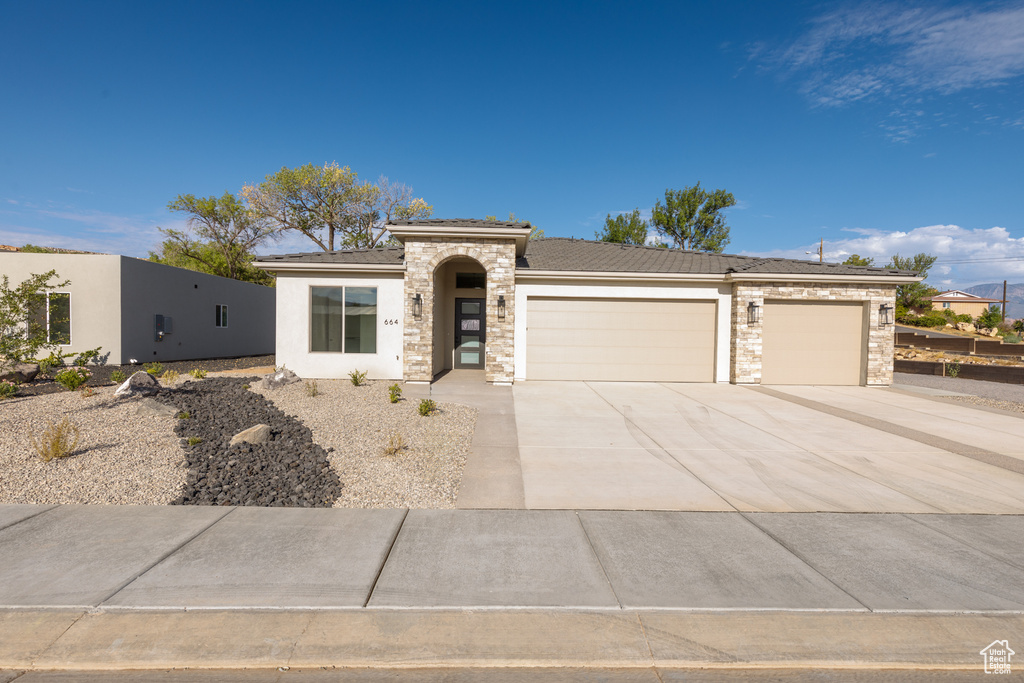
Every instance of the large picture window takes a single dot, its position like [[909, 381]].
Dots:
[[344, 319]]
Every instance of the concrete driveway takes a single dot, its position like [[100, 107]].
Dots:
[[719, 447]]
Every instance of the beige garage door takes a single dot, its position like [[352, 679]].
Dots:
[[810, 342], [638, 340]]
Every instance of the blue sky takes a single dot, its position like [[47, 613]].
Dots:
[[879, 127]]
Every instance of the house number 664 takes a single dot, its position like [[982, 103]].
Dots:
[[389, 321]]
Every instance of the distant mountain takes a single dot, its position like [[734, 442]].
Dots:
[[1014, 296]]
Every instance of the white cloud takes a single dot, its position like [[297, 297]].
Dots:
[[965, 257], [902, 53]]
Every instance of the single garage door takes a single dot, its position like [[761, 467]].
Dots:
[[637, 340], [813, 342]]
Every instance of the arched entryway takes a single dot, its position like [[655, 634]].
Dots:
[[460, 315]]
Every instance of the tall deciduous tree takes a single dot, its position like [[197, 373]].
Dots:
[[221, 237], [328, 205], [627, 228], [912, 295], [692, 218], [858, 260]]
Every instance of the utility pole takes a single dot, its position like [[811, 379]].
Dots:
[[821, 251], [1004, 299]]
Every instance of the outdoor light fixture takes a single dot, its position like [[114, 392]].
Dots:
[[501, 307], [885, 315], [753, 313], [417, 305]]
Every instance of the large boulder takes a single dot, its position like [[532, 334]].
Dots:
[[139, 384], [19, 373], [965, 327], [256, 435], [279, 378]]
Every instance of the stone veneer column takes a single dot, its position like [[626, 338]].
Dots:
[[422, 257], [745, 353]]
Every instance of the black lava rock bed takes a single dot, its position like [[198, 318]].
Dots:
[[287, 471]]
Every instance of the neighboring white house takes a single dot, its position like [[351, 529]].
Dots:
[[134, 308], [962, 303], [481, 294]]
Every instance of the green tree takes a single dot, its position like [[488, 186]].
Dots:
[[211, 261], [328, 205], [228, 234], [858, 260], [913, 295], [626, 228], [990, 318], [22, 316], [691, 218]]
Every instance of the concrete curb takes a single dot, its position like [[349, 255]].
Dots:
[[621, 639]]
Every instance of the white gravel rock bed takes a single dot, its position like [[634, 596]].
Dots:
[[122, 458], [357, 423]]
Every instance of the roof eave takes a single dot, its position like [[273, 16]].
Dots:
[[824, 278], [307, 267], [531, 274], [520, 235]]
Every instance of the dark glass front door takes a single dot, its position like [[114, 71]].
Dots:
[[469, 333]]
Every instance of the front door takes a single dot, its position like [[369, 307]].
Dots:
[[469, 333]]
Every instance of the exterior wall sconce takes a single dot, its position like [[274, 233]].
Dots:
[[753, 313], [885, 315], [417, 305], [501, 307]]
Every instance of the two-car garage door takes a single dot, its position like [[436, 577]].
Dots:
[[639, 340]]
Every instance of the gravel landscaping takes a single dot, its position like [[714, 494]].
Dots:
[[327, 449], [990, 394]]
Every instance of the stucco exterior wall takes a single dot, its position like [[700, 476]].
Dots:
[[95, 291], [746, 351], [189, 298], [720, 293], [293, 328], [422, 257]]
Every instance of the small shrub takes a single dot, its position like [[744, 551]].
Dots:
[[395, 444], [311, 389], [196, 373], [58, 440], [245, 386], [118, 377], [82, 359], [953, 368], [87, 392], [357, 377], [964, 318], [156, 369], [168, 377], [72, 378], [194, 441], [53, 361], [990, 318], [934, 320], [395, 393], [427, 406], [1011, 339], [7, 389], [184, 415]]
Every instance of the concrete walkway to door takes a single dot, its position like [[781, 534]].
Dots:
[[716, 447]]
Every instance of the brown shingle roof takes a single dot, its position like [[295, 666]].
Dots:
[[566, 254]]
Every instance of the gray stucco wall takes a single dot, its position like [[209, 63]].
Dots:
[[189, 299], [95, 294]]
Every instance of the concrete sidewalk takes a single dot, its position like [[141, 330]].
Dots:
[[149, 587]]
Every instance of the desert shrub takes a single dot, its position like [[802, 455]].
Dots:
[[169, 376], [395, 393], [156, 369], [934, 320], [196, 373], [184, 415], [396, 444], [964, 318], [990, 318], [82, 359], [194, 441], [953, 368], [87, 392], [58, 440], [118, 377], [357, 377], [312, 389], [72, 378], [1011, 339], [427, 406], [52, 362], [7, 389]]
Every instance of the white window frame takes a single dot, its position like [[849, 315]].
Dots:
[[221, 311]]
